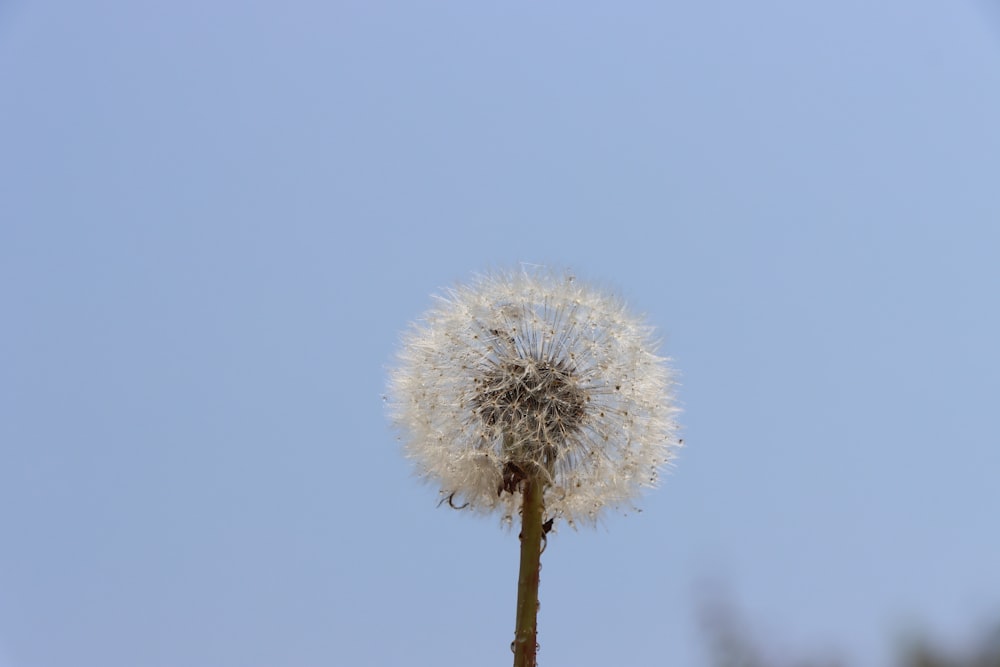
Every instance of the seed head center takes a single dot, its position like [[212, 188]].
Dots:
[[531, 400]]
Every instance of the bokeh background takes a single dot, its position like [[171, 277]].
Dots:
[[216, 218]]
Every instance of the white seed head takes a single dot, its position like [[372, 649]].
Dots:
[[529, 372]]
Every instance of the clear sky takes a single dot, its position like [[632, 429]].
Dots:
[[216, 218]]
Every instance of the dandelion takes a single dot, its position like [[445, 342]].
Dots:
[[527, 393]]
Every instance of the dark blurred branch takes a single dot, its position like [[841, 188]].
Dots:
[[731, 644]]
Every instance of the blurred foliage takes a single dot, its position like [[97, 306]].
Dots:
[[730, 645], [985, 653]]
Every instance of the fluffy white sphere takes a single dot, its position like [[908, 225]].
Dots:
[[529, 372]]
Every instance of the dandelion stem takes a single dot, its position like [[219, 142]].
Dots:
[[526, 628]]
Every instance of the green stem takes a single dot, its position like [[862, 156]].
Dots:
[[526, 628]]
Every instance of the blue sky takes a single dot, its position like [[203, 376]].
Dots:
[[216, 218]]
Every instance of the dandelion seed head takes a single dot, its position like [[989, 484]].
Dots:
[[531, 373]]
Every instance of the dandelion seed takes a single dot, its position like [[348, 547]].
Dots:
[[532, 371], [528, 393]]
